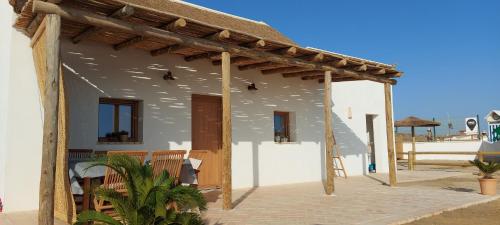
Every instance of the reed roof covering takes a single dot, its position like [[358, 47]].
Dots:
[[280, 55], [413, 121]]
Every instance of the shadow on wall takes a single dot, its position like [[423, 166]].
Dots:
[[349, 143], [94, 71]]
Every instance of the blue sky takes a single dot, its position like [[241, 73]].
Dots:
[[448, 49]]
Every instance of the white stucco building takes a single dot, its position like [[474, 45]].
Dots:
[[95, 71]]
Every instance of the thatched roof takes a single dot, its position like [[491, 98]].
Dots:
[[213, 17], [413, 121], [203, 23]]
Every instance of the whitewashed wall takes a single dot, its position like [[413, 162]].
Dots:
[[21, 158], [94, 70], [5, 40], [363, 97]]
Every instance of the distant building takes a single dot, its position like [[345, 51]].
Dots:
[[493, 119]]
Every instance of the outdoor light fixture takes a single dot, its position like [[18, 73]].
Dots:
[[251, 87], [168, 76]]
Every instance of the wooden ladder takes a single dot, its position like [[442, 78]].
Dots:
[[338, 164]]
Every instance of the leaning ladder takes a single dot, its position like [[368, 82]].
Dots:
[[338, 164]]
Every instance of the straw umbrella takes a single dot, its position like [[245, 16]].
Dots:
[[413, 122]]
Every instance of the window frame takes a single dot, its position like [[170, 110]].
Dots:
[[134, 126], [286, 125]]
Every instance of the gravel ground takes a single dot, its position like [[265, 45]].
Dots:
[[487, 213]]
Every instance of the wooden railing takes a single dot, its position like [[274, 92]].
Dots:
[[412, 157]]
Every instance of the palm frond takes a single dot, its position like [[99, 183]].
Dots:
[[487, 169], [88, 216], [147, 199]]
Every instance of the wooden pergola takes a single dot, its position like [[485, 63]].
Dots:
[[149, 26]]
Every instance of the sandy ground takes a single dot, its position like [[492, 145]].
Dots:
[[487, 213]]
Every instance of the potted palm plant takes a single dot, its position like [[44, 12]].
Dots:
[[487, 182], [149, 200]]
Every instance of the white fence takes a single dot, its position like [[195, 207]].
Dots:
[[455, 146]]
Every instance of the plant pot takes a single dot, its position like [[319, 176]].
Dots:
[[123, 138], [488, 186]]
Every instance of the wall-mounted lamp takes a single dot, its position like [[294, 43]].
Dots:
[[168, 76], [251, 87]]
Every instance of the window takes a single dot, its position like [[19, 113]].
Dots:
[[118, 120], [282, 127]]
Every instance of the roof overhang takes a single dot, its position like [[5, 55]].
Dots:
[[120, 25]]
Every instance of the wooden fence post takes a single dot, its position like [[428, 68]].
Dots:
[[414, 160], [410, 160], [226, 132], [50, 122]]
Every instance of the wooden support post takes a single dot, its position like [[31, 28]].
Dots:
[[50, 115], [327, 105], [390, 134], [226, 132]]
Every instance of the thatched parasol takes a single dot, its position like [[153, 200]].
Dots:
[[413, 122]]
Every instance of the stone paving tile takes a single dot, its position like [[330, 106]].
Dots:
[[357, 200], [22, 218]]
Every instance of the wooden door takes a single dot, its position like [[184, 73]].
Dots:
[[206, 137]]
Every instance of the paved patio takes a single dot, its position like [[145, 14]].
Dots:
[[357, 200]]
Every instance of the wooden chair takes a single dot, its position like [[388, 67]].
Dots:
[[169, 160], [80, 154], [100, 154], [114, 181]]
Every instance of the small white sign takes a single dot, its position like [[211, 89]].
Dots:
[[471, 126]]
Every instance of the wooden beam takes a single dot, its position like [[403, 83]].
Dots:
[[303, 73], [339, 79], [218, 36], [128, 43], [378, 71], [235, 60], [292, 69], [289, 51], [90, 18], [50, 129], [389, 125], [340, 63], [175, 25], [314, 77], [124, 12], [205, 55], [226, 132], [259, 66], [329, 138], [254, 44], [319, 57], [359, 68], [172, 26]]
